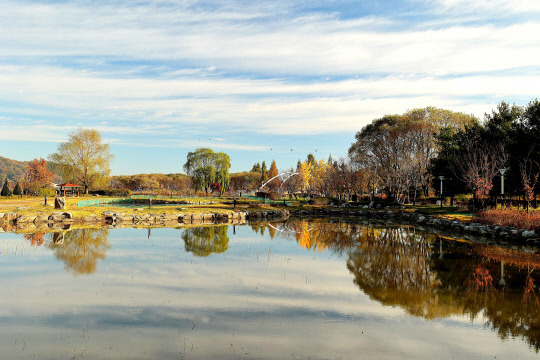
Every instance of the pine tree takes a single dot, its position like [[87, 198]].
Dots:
[[256, 168], [264, 172], [17, 190], [5, 189]]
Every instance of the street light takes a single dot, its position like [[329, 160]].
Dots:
[[502, 171], [441, 178]]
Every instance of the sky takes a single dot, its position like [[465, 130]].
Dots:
[[259, 80]]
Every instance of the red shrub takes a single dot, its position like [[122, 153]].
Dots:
[[508, 217]]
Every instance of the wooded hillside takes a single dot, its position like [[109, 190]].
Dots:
[[13, 169]]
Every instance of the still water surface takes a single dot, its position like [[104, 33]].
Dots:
[[293, 290]]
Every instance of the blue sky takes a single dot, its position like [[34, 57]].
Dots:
[[260, 80]]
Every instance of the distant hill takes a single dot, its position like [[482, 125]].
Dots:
[[13, 169]]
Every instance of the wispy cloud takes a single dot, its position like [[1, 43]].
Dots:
[[172, 70]]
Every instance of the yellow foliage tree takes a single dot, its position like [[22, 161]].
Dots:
[[83, 158], [304, 172]]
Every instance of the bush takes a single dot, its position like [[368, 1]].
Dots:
[[110, 192], [46, 192], [322, 201], [512, 218]]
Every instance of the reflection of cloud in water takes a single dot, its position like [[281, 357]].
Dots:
[[257, 299]]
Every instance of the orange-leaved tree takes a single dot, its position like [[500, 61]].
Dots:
[[37, 176]]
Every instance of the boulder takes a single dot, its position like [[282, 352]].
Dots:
[[60, 203], [56, 217], [197, 217]]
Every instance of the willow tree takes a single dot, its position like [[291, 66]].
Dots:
[[206, 166], [83, 158]]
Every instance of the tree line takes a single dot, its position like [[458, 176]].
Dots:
[[399, 157]]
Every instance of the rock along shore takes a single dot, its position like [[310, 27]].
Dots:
[[64, 220], [12, 221], [436, 224]]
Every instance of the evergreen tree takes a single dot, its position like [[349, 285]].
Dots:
[[5, 189], [17, 190], [264, 172], [311, 159], [256, 168]]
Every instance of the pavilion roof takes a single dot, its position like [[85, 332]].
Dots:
[[69, 185]]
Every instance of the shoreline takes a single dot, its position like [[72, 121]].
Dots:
[[171, 217]]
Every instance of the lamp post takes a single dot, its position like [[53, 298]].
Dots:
[[441, 178], [502, 171]]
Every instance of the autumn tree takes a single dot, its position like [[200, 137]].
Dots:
[[37, 176], [206, 166], [83, 158], [275, 184], [478, 164], [245, 181], [529, 178], [399, 148]]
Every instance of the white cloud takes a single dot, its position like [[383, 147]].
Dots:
[[172, 70], [260, 43], [157, 106]]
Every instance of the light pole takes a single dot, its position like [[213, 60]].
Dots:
[[502, 171], [441, 178]]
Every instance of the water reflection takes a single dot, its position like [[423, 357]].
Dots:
[[426, 275], [398, 266], [203, 241], [80, 249]]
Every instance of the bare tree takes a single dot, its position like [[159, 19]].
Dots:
[[529, 178], [478, 164]]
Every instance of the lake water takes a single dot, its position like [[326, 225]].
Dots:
[[281, 290]]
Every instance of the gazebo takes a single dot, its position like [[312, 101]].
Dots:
[[67, 187]]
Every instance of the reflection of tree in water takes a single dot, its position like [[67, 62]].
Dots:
[[203, 241], [392, 266], [35, 239], [80, 249], [431, 276], [400, 267], [316, 234]]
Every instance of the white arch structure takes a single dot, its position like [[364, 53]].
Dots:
[[284, 176]]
